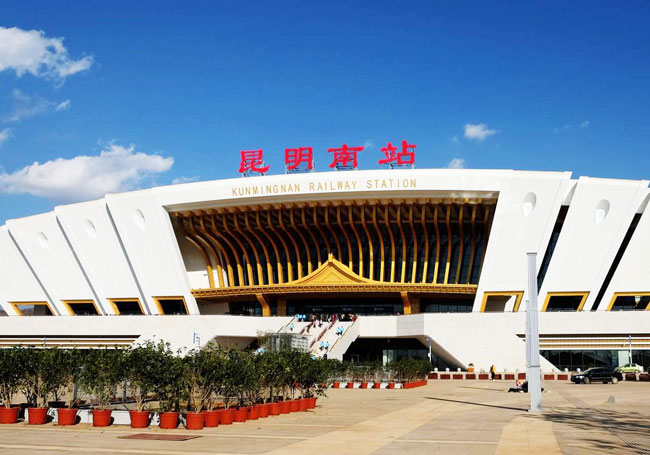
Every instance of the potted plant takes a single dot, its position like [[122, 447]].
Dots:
[[352, 375], [214, 372], [377, 374], [168, 384], [199, 386], [63, 366], [272, 378], [32, 383], [140, 371], [393, 372], [10, 373], [101, 371]]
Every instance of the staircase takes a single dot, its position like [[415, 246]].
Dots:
[[338, 343]]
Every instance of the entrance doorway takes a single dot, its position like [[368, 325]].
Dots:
[[346, 305]]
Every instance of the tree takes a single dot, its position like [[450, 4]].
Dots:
[[11, 370], [168, 383], [31, 382], [203, 374], [140, 371], [241, 377], [62, 368], [101, 371]]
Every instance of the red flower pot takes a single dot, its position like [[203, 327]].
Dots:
[[139, 419], [66, 416], [241, 414], [37, 416], [9, 415], [285, 407], [276, 408], [264, 410], [168, 420], [194, 420], [227, 417], [253, 413], [312, 402], [211, 419], [350, 385], [377, 385], [303, 404], [336, 384], [391, 385], [294, 405], [364, 385], [101, 417]]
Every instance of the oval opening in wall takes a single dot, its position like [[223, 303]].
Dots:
[[90, 229], [42, 240], [139, 219], [602, 209], [529, 204]]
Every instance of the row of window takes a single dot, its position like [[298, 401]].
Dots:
[[495, 302], [165, 306]]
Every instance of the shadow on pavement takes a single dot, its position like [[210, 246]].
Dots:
[[630, 429], [477, 404]]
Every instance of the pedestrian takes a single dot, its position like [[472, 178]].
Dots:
[[493, 372], [327, 345], [322, 345], [291, 326]]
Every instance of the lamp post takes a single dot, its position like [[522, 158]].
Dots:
[[629, 341], [532, 338]]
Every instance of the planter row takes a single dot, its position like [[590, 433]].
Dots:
[[378, 385], [477, 376], [168, 420], [513, 376]]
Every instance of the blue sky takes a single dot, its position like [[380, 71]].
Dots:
[[556, 86]]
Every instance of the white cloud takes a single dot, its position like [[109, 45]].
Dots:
[[5, 134], [26, 106], [454, 139], [562, 128], [585, 124], [63, 106], [115, 169], [182, 179], [30, 51], [456, 163], [479, 132], [367, 145]]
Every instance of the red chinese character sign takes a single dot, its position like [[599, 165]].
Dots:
[[301, 158], [345, 157], [406, 157], [252, 161]]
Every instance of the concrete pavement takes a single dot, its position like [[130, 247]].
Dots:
[[445, 417]]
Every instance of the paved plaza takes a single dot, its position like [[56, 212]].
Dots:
[[454, 417]]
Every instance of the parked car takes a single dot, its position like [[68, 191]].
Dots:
[[597, 375], [630, 368]]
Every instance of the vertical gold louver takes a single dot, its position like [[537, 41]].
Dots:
[[388, 242]]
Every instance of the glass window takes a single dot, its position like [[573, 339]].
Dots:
[[496, 303], [33, 309], [631, 302], [82, 308], [172, 306], [564, 302], [127, 307]]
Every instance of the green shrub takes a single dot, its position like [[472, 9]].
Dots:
[[101, 371], [11, 372]]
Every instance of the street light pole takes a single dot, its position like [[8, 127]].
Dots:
[[629, 340], [532, 338]]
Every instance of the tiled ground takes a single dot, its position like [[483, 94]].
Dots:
[[446, 417]]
